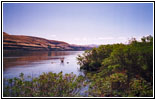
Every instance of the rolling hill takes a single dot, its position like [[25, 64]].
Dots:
[[30, 43]]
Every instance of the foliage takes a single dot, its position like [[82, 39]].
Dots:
[[117, 69], [47, 84], [140, 87]]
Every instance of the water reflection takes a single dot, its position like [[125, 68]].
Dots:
[[37, 62]]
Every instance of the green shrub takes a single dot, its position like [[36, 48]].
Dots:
[[113, 68], [140, 88], [47, 84]]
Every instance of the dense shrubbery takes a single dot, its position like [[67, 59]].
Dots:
[[50, 84], [119, 69]]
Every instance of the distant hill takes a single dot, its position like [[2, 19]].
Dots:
[[93, 45], [30, 43]]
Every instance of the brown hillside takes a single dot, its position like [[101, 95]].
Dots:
[[21, 42], [31, 43]]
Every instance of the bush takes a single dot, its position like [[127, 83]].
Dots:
[[47, 84], [114, 68]]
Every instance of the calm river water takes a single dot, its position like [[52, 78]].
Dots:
[[35, 63]]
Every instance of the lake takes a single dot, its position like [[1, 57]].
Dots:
[[34, 63]]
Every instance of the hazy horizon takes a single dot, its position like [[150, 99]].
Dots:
[[79, 23]]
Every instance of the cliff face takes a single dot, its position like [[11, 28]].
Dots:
[[19, 42]]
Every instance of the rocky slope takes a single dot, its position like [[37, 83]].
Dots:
[[20, 42]]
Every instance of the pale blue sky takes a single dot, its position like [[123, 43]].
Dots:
[[79, 23]]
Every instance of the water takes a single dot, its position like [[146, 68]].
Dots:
[[35, 63]]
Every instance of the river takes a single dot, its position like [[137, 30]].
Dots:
[[34, 63]]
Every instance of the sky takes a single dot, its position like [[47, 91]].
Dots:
[[79, 23]]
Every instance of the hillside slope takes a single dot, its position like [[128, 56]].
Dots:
[[20, 42]]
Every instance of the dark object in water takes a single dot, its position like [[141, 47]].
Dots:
[[52, 62], [62, 60], [67, 62]]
